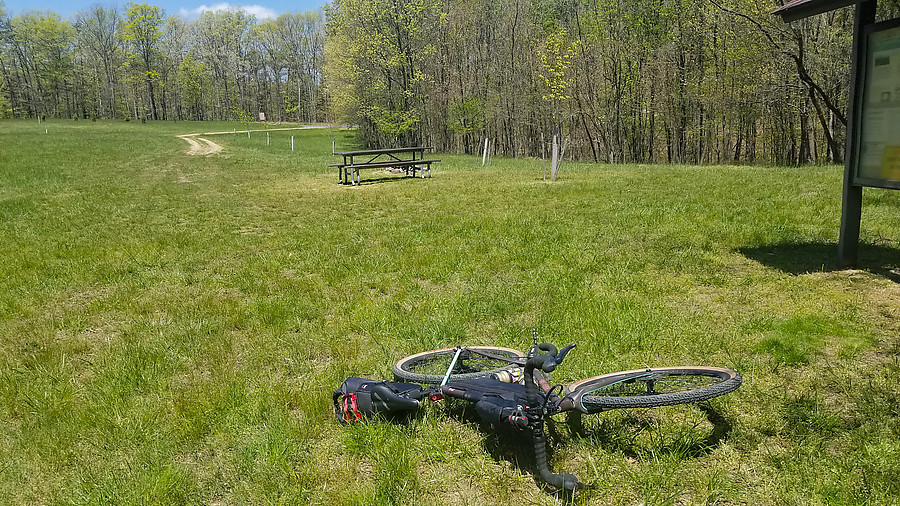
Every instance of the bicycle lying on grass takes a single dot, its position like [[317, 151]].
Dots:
[[512, 389]]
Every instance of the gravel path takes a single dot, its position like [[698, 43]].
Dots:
[[200, 146]]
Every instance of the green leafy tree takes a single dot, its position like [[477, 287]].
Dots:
[[220, 36], [556, 65], [98, 36], [556, 73], [377, 65], [142, 31], [194, 80], [5, 105], [42, 47]]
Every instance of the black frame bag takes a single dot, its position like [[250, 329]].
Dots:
[[358, 398]]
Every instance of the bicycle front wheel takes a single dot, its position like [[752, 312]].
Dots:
[[647, 388], [429, 367]]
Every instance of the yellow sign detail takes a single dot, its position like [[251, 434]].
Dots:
[[890, 168]]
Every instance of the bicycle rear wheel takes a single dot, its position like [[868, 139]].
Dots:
[[647, 388], [429, 367]]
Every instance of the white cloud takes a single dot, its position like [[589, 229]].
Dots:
[[256, 10]]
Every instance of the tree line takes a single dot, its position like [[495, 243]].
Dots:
[[678, 81], [645, 81], [141, 64]]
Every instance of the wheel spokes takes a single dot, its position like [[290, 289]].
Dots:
[[468, 362]]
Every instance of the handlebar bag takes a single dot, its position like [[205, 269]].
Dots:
[[359, 397]]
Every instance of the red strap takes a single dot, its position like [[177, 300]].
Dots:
[[350, 408]]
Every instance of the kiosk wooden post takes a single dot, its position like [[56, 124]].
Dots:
[[851, 206], [872, 154]]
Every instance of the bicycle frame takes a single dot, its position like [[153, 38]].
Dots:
[[534, 414]]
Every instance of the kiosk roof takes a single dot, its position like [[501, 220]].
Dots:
[[799, 9]]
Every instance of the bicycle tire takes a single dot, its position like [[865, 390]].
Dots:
[[429, 367], [640, 388]]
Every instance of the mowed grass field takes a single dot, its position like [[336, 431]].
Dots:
[[172, 326]]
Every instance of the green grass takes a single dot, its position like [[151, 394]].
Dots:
[[172, 326]]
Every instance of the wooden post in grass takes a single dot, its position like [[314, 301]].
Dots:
[[484, 152], [558, 154], [292, 144], [267, 138], [851, 201], [554, 156], [543, 157]]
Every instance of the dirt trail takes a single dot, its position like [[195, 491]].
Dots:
[[206, 147]]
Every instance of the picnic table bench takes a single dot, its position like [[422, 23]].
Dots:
[[411, 158]]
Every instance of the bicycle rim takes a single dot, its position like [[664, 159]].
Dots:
[[646, 388], [429, 367]]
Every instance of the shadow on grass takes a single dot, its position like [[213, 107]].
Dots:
[[721, 426], [620, 435], [803, 258], [516, 446], [384, 179], [513, 445]]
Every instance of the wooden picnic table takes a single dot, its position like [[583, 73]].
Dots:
[[408, 158]]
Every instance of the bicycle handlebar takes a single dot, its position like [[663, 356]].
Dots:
[[546, 362], [565, 351]]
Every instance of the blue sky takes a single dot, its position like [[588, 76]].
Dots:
[[188, 9]]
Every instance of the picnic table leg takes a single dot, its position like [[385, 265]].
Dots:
[[342, 172], [349, 171]]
